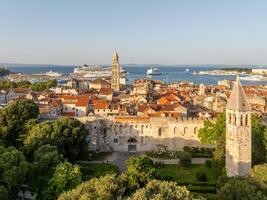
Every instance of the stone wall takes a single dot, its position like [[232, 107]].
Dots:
[[142, 134]]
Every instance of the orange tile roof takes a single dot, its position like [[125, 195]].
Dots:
[[70, 114]]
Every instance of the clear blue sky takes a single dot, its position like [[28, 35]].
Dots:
[[142, 31]]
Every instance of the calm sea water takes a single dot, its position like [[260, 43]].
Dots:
[[169, 73]]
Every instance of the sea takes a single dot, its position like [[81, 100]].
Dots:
[[169, 73]]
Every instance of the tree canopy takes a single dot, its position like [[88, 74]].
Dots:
[[65, 177], [243, 189], [106, 187], [67, 134], [13, 119], [13, 167], [161, 190]]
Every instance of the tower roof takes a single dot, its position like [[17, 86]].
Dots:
[[115, 55], [238, 99]]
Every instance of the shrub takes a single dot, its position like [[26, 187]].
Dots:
[[185, 159], [208, 163], [201, 176]]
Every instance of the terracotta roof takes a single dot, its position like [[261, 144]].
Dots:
[[105, 91], [70, 114], [238, 99], [20, 90], [100, 104], [99, 80]]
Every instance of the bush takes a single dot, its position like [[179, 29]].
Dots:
[[185, 159], [208, 163], [201, 176]]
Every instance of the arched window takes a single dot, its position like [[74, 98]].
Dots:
[[234, 116], [142, 129], [195, 130], [131, 140], [230, 118], [241, 120], [175, 130], [185, 130], [159, 132]]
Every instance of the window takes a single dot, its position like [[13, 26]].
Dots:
[[66, 108], [195, 130], [115, 140], [159, 132], [241, 120], [73, 108], [175, 130], [185, 130]]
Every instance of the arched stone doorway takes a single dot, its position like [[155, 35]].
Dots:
[[132, 143]]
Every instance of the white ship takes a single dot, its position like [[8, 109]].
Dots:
[[153, 71], [53, 74], [252, 78]]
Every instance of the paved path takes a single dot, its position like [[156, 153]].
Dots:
[[119, 159]]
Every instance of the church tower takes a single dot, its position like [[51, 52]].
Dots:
[[238, 133], [115, 76]]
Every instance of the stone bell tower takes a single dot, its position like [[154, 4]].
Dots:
[[238, 133], [115, 76]]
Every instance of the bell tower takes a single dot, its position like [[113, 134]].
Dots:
[[115, 76], [238, 133]]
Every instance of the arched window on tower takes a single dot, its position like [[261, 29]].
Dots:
[[234, 122], [241, 120], [195, 130], [229, 118]]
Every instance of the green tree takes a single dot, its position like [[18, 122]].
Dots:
[[13, 119], [258, 145], [259, 173], [3, 193], [140, 170], [103, 188], [65, 177], [67, 134], [161, 190], [242, 189], [13, 167], [46, 158], [214, 133], [185, 159]]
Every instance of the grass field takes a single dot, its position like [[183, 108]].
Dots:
[[188, 174]]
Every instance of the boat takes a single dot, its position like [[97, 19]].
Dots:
[[96, 71], [53, 74], [252, 78], [153, 71]]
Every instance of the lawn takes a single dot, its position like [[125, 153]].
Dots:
[[187, 175], [91, 170]]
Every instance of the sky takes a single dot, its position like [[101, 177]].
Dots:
[[141, 31]]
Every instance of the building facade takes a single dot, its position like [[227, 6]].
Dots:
[[139, 134], [238, 133]]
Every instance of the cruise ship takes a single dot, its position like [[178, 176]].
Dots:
[[92, 72]]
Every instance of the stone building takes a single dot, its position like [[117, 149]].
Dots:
[[115, 76], [238, 133], [138, 134]]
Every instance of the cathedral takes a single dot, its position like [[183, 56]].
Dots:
[[238, 133]]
